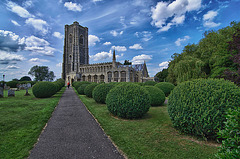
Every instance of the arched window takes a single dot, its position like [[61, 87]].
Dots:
[[95, 78], [123, 76], [109, 76], [81, 40], [83, 78], [102, 78], [116, 75], [136, 78], [89, 78], [70, 38]]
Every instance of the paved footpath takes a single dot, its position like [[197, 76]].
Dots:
[[72, 133]]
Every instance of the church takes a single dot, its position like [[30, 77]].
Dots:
[[76, 65]]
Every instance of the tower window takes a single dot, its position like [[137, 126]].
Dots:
[[81, 39], [70, 38]]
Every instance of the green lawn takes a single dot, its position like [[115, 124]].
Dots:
[[151, 137], [22, 119]]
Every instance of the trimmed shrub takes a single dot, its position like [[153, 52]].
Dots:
[[100, 92], [58, 86], [89, 89], [81, 88], [231, 136], [138, 83], [157, 97], [12, 84], [149, 83], [60, 80], [78, 84], [198, 107], [166, 87], [74, 83], [128, 100], [44, 89]]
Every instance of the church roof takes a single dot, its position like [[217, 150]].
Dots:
[[138, 67]]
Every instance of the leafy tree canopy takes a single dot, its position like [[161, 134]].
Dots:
[[41, 73], [25, 78], [209, 58], [127, 62]]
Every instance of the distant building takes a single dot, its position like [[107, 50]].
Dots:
[[76, 65]]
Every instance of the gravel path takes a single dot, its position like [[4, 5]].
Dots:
[[72, 133]]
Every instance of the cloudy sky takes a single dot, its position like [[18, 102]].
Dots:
[[32, 31]]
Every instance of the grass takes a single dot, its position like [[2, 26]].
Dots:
[[150, 137], [22, 119]]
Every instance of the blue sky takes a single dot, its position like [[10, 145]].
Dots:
[[32, 31]]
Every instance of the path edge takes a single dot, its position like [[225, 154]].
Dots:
[[109, 137]]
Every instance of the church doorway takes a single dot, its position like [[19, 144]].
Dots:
[[72, 81]]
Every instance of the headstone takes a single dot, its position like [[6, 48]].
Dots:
[[1, 92], [28, 85], [11, 93], [26, 94]]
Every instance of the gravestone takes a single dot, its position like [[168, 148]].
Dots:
[[26, 87], [29, 85], [1, 92], [11, 93]]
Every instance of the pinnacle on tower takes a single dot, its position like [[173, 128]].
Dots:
[[114, 56]]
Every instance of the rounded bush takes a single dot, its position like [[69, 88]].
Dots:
[[89, 89], [198, 107], [166, 87], [58, 86], [149, 83], [81, 88], [128, 100], [157, 97], [78, 84], [60, 80], [44, 89], [100, 92]]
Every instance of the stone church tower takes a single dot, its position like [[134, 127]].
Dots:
[[75, 51]]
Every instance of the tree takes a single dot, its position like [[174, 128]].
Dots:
[[41, 73], [25, 78], [127, 62], [234, 47], [15, 79], [162, 75]]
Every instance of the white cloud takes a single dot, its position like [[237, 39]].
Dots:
[[73, 6], [38, 24], [39, 46], [136, 47], [5, 56], [92, 39], [163, 65], [145, 35], [58, 35], [101, 56], [38, 60], [141, 58], [12, 67], [59, 64], [119, 48], [15, 23], [165, 14], [97, 0], [115, 33], [11, 41], [179, 40], [20, 11], [208, 19], [107, 43], [28, 3]]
